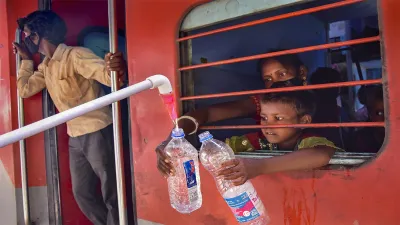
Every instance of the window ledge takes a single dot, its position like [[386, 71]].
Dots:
[[340, 158]]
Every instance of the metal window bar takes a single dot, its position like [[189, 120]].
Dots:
[[298, 88], [338, 158], [22, 149], [116, 115], [285, 52], [312, 125], [274, 18], [285, 89]]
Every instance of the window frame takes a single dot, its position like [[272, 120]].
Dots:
[[185, 81]]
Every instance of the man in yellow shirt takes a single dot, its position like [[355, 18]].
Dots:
[[72, 76]]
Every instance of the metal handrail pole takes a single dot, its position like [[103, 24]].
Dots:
[[116, 114], [22, 149]]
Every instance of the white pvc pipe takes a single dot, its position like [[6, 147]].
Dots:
[[158, 81]]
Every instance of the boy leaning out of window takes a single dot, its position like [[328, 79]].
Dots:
[[310, 150]]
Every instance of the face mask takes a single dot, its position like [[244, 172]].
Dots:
[[288, 83], [32, 48]]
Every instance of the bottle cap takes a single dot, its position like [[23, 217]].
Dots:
[[177, 133], [205, 136]]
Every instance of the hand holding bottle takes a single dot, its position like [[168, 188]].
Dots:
[[233, 170], [238, 171], [164, 164], [184, 184], [237, 192]]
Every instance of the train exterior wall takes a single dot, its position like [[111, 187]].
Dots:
[[365, 196], [10, 182]]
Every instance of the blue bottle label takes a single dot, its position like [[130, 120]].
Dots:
[[190, 171], [243, 208]]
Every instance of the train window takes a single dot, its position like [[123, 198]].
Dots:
[[221, 45]]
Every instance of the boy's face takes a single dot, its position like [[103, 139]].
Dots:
[[276, 113]]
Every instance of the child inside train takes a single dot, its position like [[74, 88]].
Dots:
[[370, 139], [310, 150]]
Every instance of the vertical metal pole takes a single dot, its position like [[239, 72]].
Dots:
[[51, 150], [349, 65], [113, 36], [22, 152]]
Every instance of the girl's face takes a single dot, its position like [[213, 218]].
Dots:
[[274, 71], [276, 113]]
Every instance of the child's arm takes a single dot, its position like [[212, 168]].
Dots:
[[239, 171], [305, 159]]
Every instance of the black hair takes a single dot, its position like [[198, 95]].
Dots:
[[326, 75], [47, 24], [302, 101], [370, 93], [375, 93], [362, 98], [292, 60]]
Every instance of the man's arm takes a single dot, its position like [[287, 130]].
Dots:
[[30, 82], [90, 66]]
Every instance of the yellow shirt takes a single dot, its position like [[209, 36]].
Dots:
[[71, 77]]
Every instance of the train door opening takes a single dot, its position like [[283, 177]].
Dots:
[[87, 24]]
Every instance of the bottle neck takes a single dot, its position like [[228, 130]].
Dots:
[[207, 140], [177, 138]]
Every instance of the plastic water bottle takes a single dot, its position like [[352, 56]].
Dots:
[[243, 200], [184, 187]]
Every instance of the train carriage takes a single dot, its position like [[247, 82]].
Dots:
[[209, 52]]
